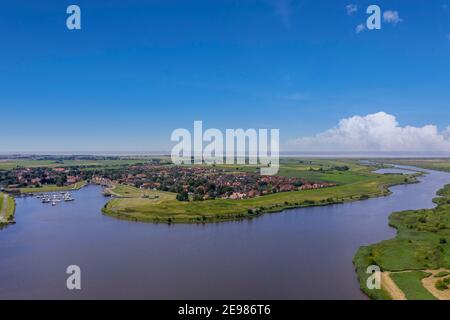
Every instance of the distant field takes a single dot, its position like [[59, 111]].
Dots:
[[318, 170], [433, 164], [11, 164], [322, 170], [334, 177], [53, 188]]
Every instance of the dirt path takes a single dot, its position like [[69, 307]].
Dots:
[[429, 284], [3, 213], [389, 285]]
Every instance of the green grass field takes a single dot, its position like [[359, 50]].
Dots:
[[313, 170], [422, 242], [433, 164], [442, 274], [53, 188], [356, 184], [8, 208], [12, 164], [410, 283]]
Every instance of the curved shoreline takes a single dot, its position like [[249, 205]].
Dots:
[[7, 211], [30, 193]]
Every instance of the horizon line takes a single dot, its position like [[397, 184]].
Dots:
[[308, 154]]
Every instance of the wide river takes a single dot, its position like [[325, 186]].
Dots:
[[297, 254]]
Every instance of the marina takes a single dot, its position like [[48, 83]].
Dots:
[[55, 198]]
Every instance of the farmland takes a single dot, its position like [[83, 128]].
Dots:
[[7, 208]]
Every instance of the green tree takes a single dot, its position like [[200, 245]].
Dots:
[[183, 196]]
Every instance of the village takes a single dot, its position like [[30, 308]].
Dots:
[[32, 177], [205, 182], [196, 183]]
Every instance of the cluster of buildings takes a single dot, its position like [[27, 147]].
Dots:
[[34, 177], [191, 182], [207, 182], [100, 180]]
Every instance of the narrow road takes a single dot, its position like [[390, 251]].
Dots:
[[389, 285], [5, 204], [429, 283]]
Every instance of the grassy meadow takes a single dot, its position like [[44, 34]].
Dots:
[[7, 208], [7, 164], [432, 164], [410, 282]]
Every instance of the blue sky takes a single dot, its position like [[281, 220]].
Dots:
[[139, 69]]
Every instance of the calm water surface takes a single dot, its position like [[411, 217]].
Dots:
[[398, 170], [298, 254]]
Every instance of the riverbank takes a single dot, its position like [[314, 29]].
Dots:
[[53, 188], [162, 207], [431, 164], [422, 244], [7, 209], [8, 204]]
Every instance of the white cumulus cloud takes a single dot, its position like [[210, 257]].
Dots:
[[351, 9], [360, 28], [378, 132], [390, 16]]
